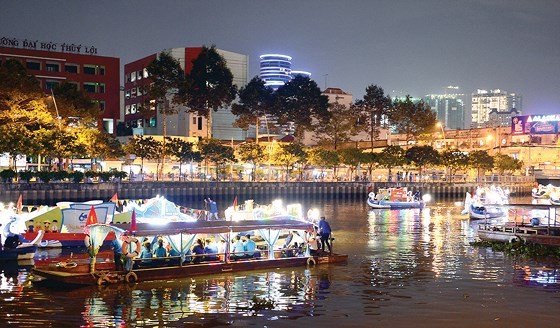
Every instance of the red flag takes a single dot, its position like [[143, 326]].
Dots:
[[235, 202], [114, 199], [19, 205], [133, 221], [92, 217]]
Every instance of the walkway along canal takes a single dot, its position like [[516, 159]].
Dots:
[[50, 193]]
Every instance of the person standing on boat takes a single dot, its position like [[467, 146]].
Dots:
[[325, 232], [213, 209], [117, 254]]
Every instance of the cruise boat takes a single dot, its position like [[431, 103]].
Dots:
[[13, 247], [395, 198], [180, 237]]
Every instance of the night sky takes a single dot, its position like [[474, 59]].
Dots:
[[412, 47]]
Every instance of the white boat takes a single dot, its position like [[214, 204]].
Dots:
[[477, 209], [14, 248], [395, 198]]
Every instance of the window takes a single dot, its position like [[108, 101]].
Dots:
[[200, 123], [90, 69], [127, 94], [139, 91], [101, 88], [133, 92], [139, 107], [127, 77], [152, 122], [139, 124], [133, 76], [139, 75], [53, 67], [127, 110], [146, 72], [102, 105], [152, 104], [71, 68], [35, 66], [90, 87], [51, 84], [101, 70], [133, 109]]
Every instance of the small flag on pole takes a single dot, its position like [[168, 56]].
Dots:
[[133, 222], [114, 199], [19, 205], [235, 203], [92, 217]]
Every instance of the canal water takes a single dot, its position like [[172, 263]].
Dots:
[[405, 268]]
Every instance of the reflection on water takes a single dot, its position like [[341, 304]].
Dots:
[[405, 267]]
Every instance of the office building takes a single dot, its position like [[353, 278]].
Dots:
[[499, 101], [55, 63], [449, 109]]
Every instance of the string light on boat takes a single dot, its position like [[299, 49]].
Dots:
[[427, 198]]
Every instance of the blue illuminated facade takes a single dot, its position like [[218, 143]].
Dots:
[[275, 70]]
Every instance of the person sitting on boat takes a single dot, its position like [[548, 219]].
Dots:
[[249, 246], [198, 249], [146, 254], [311, 239], [160, 250], [54, 226], [535, 222], [238, 248], [325, 232], [210, 250]]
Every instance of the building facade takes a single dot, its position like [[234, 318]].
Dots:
[[275, 70], [149, 121], [449, 109], [483, 102], [98, 76]]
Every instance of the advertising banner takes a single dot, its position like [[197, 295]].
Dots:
[[535, 124]]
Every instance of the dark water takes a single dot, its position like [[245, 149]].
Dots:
[[405, 268]]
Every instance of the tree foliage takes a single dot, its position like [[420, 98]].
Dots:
[[288, 155], [454, 160], [183, 151], [374, 108], [212, 150], [422, 156], [255, 101], [392, 156], [251, 152], [412, 119], [324, 158], [481, 161], [338, 126], [300, 101], [504, 163], [143, 147]]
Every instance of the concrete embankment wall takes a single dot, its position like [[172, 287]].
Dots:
[[191, 194]]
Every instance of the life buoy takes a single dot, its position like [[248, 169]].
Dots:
[[131, 277], [44, 243], [125, 247], [311, 260], [371, 195]]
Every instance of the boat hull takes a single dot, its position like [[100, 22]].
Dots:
[[80, 275], [535, 235], [394, 205], [63, 239], [486, 213], [19, 253]]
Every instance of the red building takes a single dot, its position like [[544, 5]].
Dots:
[[98, 75], [136, 80]]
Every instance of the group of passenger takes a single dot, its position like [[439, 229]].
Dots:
[[244, 248]]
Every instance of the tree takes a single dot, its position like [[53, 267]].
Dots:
[[72, 106], [253, 153], [324, 159], [210, 85], [481, 161], [392, 156], [143, 147], [374, 109], [183, 151], [288, 155], [412, 119], [300, 101], [504, 163], [454, 160], [338, 126], [168, 88], [213, 151], [352, 157], [422, 156], [255, 101]]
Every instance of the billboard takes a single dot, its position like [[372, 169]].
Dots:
[[535, 124]]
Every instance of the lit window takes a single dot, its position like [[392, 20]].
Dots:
[[127, 110], [133, 109], [139, 124], [133, 92], [53, 67], [139, 75], [146, 72], [133, 76], [127, 94]]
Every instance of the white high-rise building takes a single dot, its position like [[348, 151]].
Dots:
[[484, 102]]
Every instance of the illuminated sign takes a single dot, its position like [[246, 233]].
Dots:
[[535, 124], [47, 46]]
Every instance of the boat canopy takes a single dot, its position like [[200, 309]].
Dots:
[[215, 227]]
